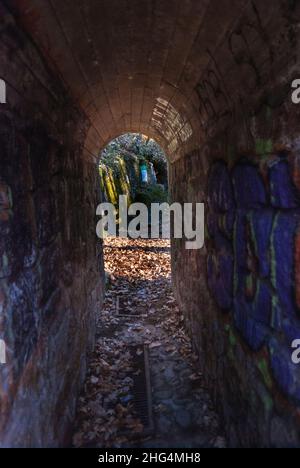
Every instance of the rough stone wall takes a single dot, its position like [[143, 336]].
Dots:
[[240, 292], [50, 281]]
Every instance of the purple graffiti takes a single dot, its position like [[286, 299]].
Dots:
[[253, 220]]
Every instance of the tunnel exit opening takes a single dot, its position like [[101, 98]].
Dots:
[[134, 169], [133, 173], [136, 166]]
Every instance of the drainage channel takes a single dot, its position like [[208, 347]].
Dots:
[[141, 390]]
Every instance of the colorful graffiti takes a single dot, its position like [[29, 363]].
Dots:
[[253, 260]]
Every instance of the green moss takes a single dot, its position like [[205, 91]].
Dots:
[[232, 338], [249, 282], [263, 146], [109, 187], [264, 370], [267, 402], [151, 194], [231, 334]]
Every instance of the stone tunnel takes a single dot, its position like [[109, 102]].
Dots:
[[210, 81]]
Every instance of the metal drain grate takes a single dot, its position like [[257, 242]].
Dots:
[[127, 308], [142, 396]]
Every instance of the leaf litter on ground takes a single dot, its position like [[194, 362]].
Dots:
[[139, 273]]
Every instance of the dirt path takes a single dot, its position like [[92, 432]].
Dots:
[[139, 285]]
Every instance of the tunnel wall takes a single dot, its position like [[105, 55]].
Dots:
[[240, 293], [50, 285]]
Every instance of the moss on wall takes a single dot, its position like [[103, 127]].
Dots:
[[121, 176]]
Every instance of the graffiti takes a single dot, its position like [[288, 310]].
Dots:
[[213, 100], [220, 227], [226, 85], [243, 43], [253, 273]]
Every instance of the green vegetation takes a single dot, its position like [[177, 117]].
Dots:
[[120, 170], [151, 194]]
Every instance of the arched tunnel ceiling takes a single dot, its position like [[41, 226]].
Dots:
[[132, 65]]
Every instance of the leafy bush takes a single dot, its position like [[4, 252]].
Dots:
[[151, 194]]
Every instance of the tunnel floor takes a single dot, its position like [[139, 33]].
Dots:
[[140, 310]]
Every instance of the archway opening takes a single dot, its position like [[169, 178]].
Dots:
[[133, 177], [135, 166]]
